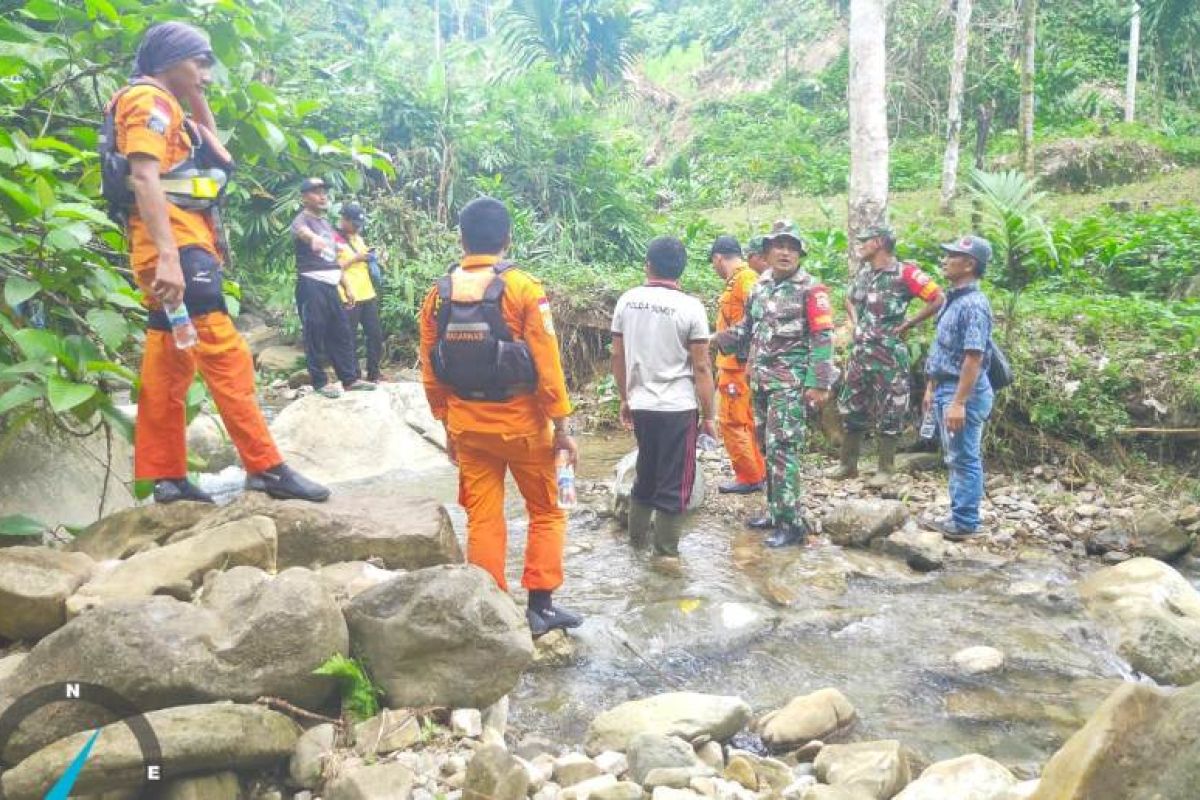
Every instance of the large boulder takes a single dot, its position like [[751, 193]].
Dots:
[[876, 770], [442, 636], [624, 476], [248, 636], [35, 583], [193, 738], [972, 777], [1150, 533], [353, 526], [280, 358], [855, 523], [359, 435], [924, 551], [1142, 742], [684, 714], [819, 715], [132, 530], [177, 569], [59, 478], [1153, 615]]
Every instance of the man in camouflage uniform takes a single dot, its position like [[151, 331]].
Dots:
[[876, 389], [789, 320], [755, 257]]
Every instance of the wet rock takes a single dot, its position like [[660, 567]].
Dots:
[[386, 732], [443, 636], [913, 463], [771, 773], [613, 763], [177, 569], [1149, 533], [313, 750], [924, 551], [798, 788], [124, 533], [684, 714], [978, 660], [466, 723], [875, 769], [280, 358], [808, 753], [493, 774], [386, 781], [10, 663], [1152, 613], [194, 738], [1142, 742], [696, 625], [972, 777], [741, 771], [495, 721], [250, 635], [818, 715], [856, 523], [555, 649], [1116, 557], [650, 751], [217, 786], [712, 755], [574, 768], [35, 583], [624, 475]]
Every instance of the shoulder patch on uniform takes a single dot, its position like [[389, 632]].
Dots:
[[819, 309], [917, 282], [547, 318]]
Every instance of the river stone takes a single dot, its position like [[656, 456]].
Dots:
[[1152, 613], [313, 749], [818, 715], [651, 751], [740, 770], [177, 569], [386, 732], [10, 663], [493, 774], [574, 768], [972, 777], [978, 660], [357, 436], [386, 781], [1151, 533], [348, 579], [696, 625], [194, 738], [589, 788], [675, 777], [1143, 742], [913, 463], [823, 792], [280, 358], [353, 526], [878, 770], [124, 533], [443, 636], [924, 551], [684, 714], [250, 635], [612, 762], [855, 523], [624, 790], [35, 583], [217, 786], [667, 793]]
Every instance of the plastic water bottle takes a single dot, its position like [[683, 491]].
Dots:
[[567, 496], [181, 327], [706, 443], [928, 425]]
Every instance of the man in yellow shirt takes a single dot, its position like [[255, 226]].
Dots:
[[363, 303]]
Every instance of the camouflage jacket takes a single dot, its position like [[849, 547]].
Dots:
[[881, 298], [790, 327]]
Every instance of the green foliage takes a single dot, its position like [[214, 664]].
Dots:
[[1011, 210], [587, 41], [360, 696]]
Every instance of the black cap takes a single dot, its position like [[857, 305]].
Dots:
[[312, 185], [354, 212], [725, 246]]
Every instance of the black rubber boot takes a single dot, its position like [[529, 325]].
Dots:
[[284, 483], [543, 616], [733, 487], [170, 490]]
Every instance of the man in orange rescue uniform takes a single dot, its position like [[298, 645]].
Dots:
[[493, 375], [175, 257], [736, 411]]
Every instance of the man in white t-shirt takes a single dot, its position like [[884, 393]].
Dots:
[[662, 371]]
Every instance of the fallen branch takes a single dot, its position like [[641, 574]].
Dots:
[[1180, 433], [279, 704]]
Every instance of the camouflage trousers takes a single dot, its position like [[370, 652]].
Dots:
[[781, 419], [876, 389]]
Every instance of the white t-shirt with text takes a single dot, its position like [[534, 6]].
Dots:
[[657, 323]]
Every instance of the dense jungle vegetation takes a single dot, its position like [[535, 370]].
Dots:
[[604, 122]]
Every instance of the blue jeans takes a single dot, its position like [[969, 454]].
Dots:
[[962, 449]]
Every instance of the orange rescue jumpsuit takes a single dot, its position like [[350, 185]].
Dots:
[[149, 121], [515, 435], [736, 411]]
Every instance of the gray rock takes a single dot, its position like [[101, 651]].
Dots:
[[625, 790], [913, 463], [971, 777], [651, 751], [924, 551], [217, 786], [348, 579], [353, 526], [612, 762], [443, 636], [386, 781], [280, 358], [250, 635], [978, 660], [675, 777], [35, 583], [466, 723], [10, 663], [588, 788], [684, 714], [194, 738], [1153, 615], [313, 750], [495, 720], [124, 533], [855, 523], [1150, 533], [177, 569], [712, 755], [493, 774], [574, 768], [878, 770], [666, 793], [208, 440], [818, 715]]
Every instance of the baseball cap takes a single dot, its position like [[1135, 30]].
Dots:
[[354, 212], [976, 247], [312, 185], [875, 231], [755, 246], [785, 228], [725, 246]]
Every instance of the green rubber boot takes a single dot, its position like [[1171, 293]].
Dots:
[[848, 468], [639, 524], [667, 530], [887, 462]]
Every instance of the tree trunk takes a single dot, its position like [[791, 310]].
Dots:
[[958, 68], [1029, 23], [1135, 34], [867, 96], [437, 30]]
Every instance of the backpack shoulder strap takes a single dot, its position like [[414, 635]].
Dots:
[[490, 304], [445, 290]]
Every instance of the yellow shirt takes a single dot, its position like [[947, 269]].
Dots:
[[357, 275]]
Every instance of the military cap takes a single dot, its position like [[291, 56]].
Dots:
[[875, 231], [755, 246], [785, 228]]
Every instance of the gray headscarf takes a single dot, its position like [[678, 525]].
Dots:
[[167, 44]]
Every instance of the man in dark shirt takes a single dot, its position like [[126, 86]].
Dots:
[[322, 316], [958, 388]]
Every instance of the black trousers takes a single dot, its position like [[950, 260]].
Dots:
[[666, 463], [326, 331], [366, 314]]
